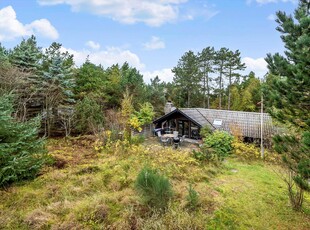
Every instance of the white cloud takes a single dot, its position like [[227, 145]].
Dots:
[[44, 28], [11, 28], [154, 44], [163, 74], [107, 57], [116, 55], [258, 66], [93, 45], [150, 12]]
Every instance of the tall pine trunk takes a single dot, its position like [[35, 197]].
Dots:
[[208, 92], [220, 88], [204, 92], [188, 98], [229, 95]]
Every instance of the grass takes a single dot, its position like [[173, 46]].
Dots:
[[87, 189], [253, 196]]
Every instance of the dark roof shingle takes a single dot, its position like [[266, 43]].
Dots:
[[249, 123]]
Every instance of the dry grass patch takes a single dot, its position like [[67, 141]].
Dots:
[[96, 191]]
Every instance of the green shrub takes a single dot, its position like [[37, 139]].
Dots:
[[137, 139], [203, 154], [192, 198], [216, 146], [89, 116], [22, 153], [205, 131], [154, 189]]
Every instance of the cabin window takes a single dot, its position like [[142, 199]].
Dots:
[[217, 122]]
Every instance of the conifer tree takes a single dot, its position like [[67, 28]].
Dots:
[[132, 80], [234, 65], [221, 65], [3, 56], [288, 97], [186, 75], [206, 66], [90, 81], [22, 153], [26, 57], [58, 85], [156, 93]]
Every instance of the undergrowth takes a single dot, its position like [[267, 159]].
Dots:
[[96, 190]]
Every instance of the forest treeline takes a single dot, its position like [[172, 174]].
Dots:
[[61, 98], [48, 83]]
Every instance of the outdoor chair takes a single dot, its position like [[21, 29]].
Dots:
[[176, 142], [182, 139], [165, 141]]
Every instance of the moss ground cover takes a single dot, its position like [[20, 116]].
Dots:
[[87, 189]]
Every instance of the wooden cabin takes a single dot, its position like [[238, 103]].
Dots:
[[189, 121]]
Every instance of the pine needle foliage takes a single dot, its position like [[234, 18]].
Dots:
[[288, 98], [192, 198], [154, 189], [22, 153]]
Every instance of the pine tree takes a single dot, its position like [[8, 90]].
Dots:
[[231, 71], [132, 80], [290, 87], [250, 91], [186, 76], [26, 58], [206, 66], [90, 81], [288, 97], [53, 51], [113, 87], [221, 65], [22, 153], [58, 84], [3, 56], [156, 95], [7, 77]]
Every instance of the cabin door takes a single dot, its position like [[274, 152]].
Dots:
[[183, 128]]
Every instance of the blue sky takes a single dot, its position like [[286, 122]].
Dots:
[[150, 35]]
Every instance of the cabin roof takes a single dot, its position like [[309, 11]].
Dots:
[[249, 123]]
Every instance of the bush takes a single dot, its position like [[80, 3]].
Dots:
[[205, 131], [22, 153], [252, 152], [154, 189], [137, 139], [245, 150], [204, 154], [215, 147], [192, 198], [89, 116]]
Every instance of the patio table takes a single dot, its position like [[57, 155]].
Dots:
[[169, 136]]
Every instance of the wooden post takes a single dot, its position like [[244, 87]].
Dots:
[[262, 126]]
